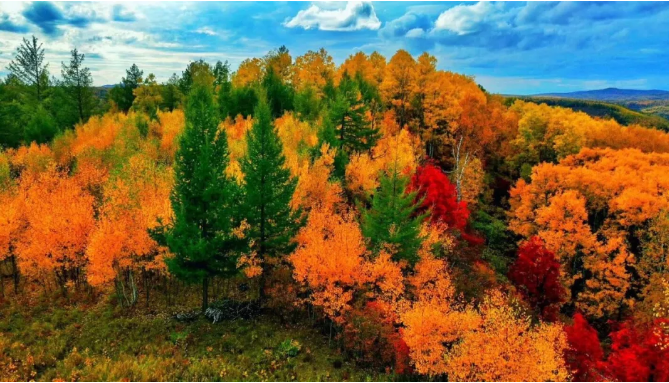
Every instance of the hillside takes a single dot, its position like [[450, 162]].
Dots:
[[650, 117], [612, 95], [299, 220]]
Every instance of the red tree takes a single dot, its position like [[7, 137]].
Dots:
[[536, 272], [438, 195], [584, 355], [637, 355]]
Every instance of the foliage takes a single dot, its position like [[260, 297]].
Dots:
[[536, 272], [201, 236]]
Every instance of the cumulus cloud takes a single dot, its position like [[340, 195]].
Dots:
[[407, 25], [355, 16], [466, 19]]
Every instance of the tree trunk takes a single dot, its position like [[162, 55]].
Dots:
[[15, 275], [205, 294]]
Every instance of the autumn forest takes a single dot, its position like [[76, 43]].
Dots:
[[295, 219]]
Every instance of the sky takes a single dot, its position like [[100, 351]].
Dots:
[[508, 47]]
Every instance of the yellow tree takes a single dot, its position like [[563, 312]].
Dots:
[[330, 260], [312, 70], [59, 219], [399, 84], [590, 209], [506, 347], [120, 248]]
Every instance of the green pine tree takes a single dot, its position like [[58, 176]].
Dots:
[[204, 199], [347, 119], [391, 220], [268, 188]]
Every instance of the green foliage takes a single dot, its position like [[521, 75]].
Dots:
[[391, 220], [41, 128], [171, 94], [347, 115], [235, 101], [268, 188], [197, 73], [307, 104], [289, 348], [203, 199], [279, 95], [102, 343], [77, 81], [122, 94], [28, 66], [12, 116]]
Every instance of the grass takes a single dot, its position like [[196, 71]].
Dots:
[[102, 342]]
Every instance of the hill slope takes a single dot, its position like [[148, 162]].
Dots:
[[613, 95], [621, 114]]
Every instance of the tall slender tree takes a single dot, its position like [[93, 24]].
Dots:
[[268, 188], [77, 80], [204, 200], [28, 66]]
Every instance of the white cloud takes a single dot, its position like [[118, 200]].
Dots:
[[466, 19], [355, 16], [206, 31]]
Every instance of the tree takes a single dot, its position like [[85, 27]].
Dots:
[[59, 218], [78, 80], [391, 220], [279, 94], [41, 127], [398, 85], [536, 272], [204, 199], [636, 354], [221, 73], [123, 94], [329, 260], [197, 72], [348, 116], [439, 197], [584, 355], [588, 210], [171, 94], [505, 346], [28, 66], [268, 189], [148, 97]]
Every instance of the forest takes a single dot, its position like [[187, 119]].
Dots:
[[300, 220]]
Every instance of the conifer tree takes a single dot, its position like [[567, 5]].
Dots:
[[391, 220], [204, 199], [268, 188], [122, 94], [28, 66], [77, 80], [348, 115], [346, 126]]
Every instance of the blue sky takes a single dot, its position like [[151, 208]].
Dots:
[[518, 48]]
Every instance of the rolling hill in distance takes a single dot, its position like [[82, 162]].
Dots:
[[613, 95], [648, 108]]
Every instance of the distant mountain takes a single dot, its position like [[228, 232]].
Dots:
[[613, 95]]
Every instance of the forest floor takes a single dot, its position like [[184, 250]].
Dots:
[[104, 342]]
